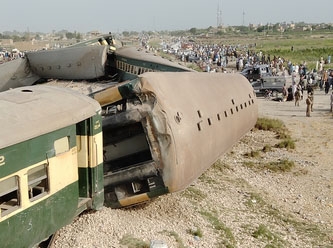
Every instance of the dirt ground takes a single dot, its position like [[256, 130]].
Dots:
[[309, 193], [313, 136], [233, 205]]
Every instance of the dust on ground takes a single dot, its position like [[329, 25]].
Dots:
[[234, 205]]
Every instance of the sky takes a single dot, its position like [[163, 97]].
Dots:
[[149, 15]]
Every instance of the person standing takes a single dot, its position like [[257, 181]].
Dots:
[[325, 81], [331, 102], [285, 92], [308, 105]]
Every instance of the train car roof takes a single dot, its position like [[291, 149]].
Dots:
[[142, 55], [28, 112]]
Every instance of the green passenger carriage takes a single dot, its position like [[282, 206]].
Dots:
[[51, 161]]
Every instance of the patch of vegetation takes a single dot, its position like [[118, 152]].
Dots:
[[207, 179], [267, 148], [194, 194], [250, 164], [225, 232], [303, 228], [179, 241], [195, 232], [286, 143], [132, 242], [274, 125], [221, 166], [252, 154], [283, 165], [268, 124], [311, 232], [265, 234]]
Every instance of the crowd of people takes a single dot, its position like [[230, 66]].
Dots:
[[215, 58], [6, 55]]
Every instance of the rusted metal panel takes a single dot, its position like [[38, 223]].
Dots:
[[72, 63]]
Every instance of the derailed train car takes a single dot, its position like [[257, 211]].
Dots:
[[62, 153], [162, 130], [51, 161]]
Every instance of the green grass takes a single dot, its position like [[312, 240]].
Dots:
[[175, 235], [287, 143], [283, 165], [277, 126], [252, 154], [193, 193], [274, 125], [221, 166], [306, 230], [195, 232], [132, 242], [227, 237], [263, 233], [267, 148]]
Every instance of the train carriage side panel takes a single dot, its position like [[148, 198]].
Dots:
[[131, 62], [90, 160], [46, 184], [39, 191]]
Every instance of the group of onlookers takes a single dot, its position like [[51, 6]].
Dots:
[[6, 55]]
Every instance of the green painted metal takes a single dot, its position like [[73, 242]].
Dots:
[[157, 192], [32, 151], [97, 188], [151, 65], [91, 179], [127, 90], [84, 182], [34, 224], [90, 127]]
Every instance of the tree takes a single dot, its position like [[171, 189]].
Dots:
[[193, 31]]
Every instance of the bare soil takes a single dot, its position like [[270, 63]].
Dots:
[[234, 204]]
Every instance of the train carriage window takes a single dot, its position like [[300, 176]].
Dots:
[[9, 195], [61, 145], [38, 182]]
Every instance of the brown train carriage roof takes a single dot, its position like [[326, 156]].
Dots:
[[28, 112], [142, 55]]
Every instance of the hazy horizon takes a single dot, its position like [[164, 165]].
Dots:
[[148, 15]]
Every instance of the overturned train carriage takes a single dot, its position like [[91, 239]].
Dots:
[[162, 130]]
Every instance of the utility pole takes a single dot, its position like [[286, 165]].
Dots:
[[243, 17], [219, 15]]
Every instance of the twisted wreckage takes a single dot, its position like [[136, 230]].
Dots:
[[163, 124]]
